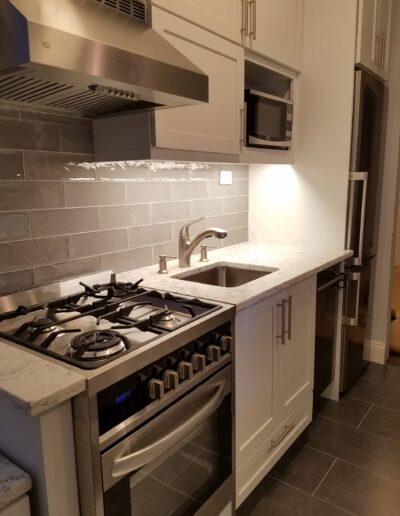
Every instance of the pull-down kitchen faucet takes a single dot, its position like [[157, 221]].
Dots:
[[186, 246]]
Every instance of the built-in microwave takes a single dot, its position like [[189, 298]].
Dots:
[[269, 120]]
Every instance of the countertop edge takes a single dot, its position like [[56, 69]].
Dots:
[[14, 482]]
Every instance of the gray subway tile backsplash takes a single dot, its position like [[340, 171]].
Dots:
[[11, 165], [14, 226], [76, 138], [31, 195], [64, 222], [62, 215], [59, 271], [147, 192], [23, 254], [126, 260], [98, 242], [17, 280], [112, 217], [94, 193], [58, 166], [28, 134], [142, 236]]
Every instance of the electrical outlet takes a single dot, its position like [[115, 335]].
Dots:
[[225, 177]]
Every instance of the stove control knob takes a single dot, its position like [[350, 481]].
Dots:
[[171, 379], [199, 361], [213, 353], [155, 389], [185, 370], [225, 341]]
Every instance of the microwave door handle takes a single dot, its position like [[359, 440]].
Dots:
[[129, 463]]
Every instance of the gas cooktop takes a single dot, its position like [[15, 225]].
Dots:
[[101, 322]]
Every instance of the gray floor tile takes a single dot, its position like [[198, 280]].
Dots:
[[382, 421], [346, 410], [272, 498], [394, 360], [360, 491], [354, 445], [395, 379], [302, 467], [379, 372], [377, 393]]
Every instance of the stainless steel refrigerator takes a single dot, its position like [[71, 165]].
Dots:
[[363, 208]]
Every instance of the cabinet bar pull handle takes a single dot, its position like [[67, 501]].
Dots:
[[283, 322], [383, 51], [289, 330], [242, 128], [377, 50], [286, 431], [255, 20], [245, 18], [252, 32]]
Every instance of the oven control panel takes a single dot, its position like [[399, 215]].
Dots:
[[157, 380]]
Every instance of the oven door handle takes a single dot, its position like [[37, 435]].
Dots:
[[128, 463]]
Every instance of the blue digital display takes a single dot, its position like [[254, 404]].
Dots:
[[123, 397]]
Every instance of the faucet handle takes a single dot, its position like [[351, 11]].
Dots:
[[162, 263], [184, 231]]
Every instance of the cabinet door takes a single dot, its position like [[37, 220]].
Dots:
[[223, 17], [254, 394], [212, 127], [294, 354], [276, 30], [373, 35]]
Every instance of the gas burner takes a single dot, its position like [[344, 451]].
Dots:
[[167, 316], [97, 344]]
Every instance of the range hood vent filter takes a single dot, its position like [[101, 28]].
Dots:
[[135, 8]]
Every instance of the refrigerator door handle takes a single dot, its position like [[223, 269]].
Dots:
[[354, 276], [354, 177]]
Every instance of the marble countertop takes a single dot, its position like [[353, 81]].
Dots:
[[34, 385], [292, 264], [13, 482]]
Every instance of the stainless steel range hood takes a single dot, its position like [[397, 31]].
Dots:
[[91, 57]]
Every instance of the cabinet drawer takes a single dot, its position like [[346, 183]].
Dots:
[[19, 507], [260, 463]]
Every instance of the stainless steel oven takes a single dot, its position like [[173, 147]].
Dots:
[[159, 441], [269, 120]]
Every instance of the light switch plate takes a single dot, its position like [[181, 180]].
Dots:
[[225, 177]]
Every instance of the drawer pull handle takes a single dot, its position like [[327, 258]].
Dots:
[[287, 430]]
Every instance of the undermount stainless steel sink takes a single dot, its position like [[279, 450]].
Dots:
[[225, 275]]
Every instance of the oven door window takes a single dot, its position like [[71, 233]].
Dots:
[[184, 478]]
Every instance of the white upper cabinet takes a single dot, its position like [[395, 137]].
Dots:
[[374, 35], [224, 17], [213, 127], [274, 28]]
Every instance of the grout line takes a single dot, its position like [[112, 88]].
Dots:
[[365, 415], [379, 404], [394, 372], [309, 494], [324, 477], [336, 506], [365, 468]]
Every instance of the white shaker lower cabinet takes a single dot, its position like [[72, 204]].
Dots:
[[18, 508], [213, 127], [274, 369]]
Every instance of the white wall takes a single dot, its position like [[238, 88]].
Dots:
[[306, 203], [380, 309]]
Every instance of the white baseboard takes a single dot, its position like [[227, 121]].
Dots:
[[375, 351]]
